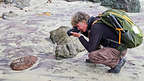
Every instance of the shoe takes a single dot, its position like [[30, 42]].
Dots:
[[88, 61], [118, 67]]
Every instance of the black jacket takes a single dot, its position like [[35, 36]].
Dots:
[[99, 33]]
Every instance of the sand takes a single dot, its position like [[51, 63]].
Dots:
[[28, 34]]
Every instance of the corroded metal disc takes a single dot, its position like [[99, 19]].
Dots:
[[23, 63]]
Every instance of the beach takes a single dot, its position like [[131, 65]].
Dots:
[[28, 33]]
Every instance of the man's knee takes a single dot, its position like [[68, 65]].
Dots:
[[93, 54]]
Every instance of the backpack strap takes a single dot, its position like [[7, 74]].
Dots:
[[124, 17], [120, 48], [119, 29], [96, 21]]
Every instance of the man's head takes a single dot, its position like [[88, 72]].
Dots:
[[79, 20]]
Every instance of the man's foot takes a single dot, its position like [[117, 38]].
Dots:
[[118, 67], [88, 61]]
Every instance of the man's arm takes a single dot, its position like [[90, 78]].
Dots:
[[94, 39]]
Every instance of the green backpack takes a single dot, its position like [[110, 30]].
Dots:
[[129, 34]]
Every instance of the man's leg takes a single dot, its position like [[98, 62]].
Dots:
[[106, 56]]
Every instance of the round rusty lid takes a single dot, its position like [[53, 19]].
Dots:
[[23, 63]]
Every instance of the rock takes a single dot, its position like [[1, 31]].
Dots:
[[73, 0], [18, 3], [96, 1], [65, 51], [59, 35], [66, 46], [127, 5], [23, 63], [21, 3], [8, 1], [7, 15], [107, 2], [1, 0]]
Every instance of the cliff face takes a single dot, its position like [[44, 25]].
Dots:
[[127, 5], [132, 6]]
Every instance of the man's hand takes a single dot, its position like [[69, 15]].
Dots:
[[75, 34]]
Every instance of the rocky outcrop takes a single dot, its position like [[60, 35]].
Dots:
[[73, 0], [127, 5], [107, 2], [1, 0], [96, 1], [22, 3], [66, 46], [18, 3], [8, 1]]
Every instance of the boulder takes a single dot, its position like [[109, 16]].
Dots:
[[107, 2], [8, 1], [126, 5], [65, 51], [21, 3], [95, 1], [66, 46], [1, 0], [18, 3], [73, 0]]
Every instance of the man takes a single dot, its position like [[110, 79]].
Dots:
[[98, 35]]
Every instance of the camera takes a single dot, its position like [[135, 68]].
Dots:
[[74, 29]]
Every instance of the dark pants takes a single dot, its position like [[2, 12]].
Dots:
[[107, 56]]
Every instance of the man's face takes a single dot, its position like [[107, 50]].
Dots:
[[82, 26]]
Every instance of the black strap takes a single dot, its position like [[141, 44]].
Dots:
[[120, 47]]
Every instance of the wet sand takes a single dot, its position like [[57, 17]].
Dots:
[[28, 34]]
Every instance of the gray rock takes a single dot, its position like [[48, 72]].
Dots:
[[107, 2], [8, 1], [127, 5], [74, 0], [22, 3], [65, 51], [96, 1], [66, 46], [18, 3], [59, 35], [1, 0]]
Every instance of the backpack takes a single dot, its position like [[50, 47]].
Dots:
[[129, 34]]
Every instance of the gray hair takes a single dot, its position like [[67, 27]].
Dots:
[[79, 17]]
